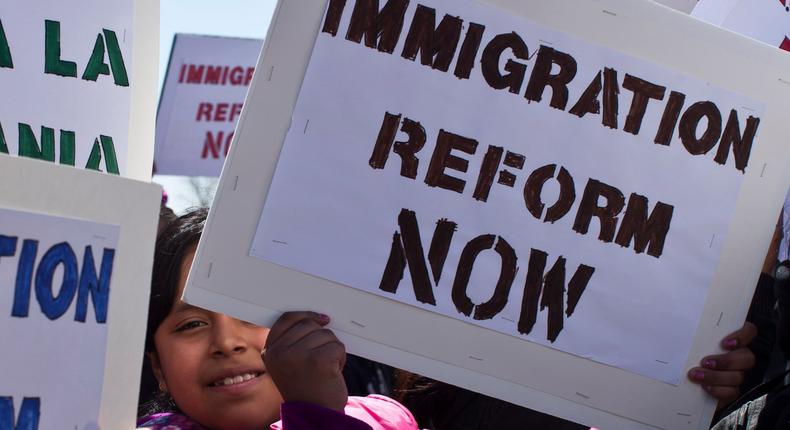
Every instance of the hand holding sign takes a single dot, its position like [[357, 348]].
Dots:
[[306, 360], [721, 374]]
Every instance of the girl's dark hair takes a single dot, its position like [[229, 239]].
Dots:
[[177, 237]]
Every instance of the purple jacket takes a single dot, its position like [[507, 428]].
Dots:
[[361, 413]]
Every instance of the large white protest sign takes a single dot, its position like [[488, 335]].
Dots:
[[534, 200], [469, 184], [75, 278], [207, 80], [82, 81]]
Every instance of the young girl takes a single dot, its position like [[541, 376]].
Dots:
[[216, 372]]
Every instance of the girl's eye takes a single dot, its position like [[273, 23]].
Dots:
[[190, 325]]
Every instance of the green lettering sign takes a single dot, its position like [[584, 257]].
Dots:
[[67, 148], [28, 145], [52, 62], [116, 59], [3, 146], [5, 50], [96, 65], [110, 162]]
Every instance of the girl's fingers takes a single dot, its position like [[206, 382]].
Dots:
[[741, 359], [715, 378], [288, 320], [740, 338], [335, 352], [317, 339], [297, 333], [324, 347], [317, 348]]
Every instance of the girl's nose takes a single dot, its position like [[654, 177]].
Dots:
[[228, 336]]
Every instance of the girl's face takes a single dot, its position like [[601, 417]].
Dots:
[[211, 365]]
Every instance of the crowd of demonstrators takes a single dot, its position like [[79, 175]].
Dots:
[[206, 370]]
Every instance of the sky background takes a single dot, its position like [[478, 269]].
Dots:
[[238, 18]]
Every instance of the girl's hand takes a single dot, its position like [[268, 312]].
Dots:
[[720, 375], [306, 360]]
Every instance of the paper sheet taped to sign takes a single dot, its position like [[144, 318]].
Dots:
[[478, 165], [56, 275]]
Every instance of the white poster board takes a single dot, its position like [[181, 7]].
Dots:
[[769, 22], [73, 250], [84, 84], [685, 6], [202, 97], [509, 151], [766, 20], [593, 390]]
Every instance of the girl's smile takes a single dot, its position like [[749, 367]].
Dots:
[[237, 382]]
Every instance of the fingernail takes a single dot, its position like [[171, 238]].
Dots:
[[706, 387], [698, 375], [731, 343], [323, 317], [709, 363]]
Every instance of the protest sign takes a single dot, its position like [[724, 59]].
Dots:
[[65, 318], [541, 209], [83, 84], [75, 279], [207, 80]]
